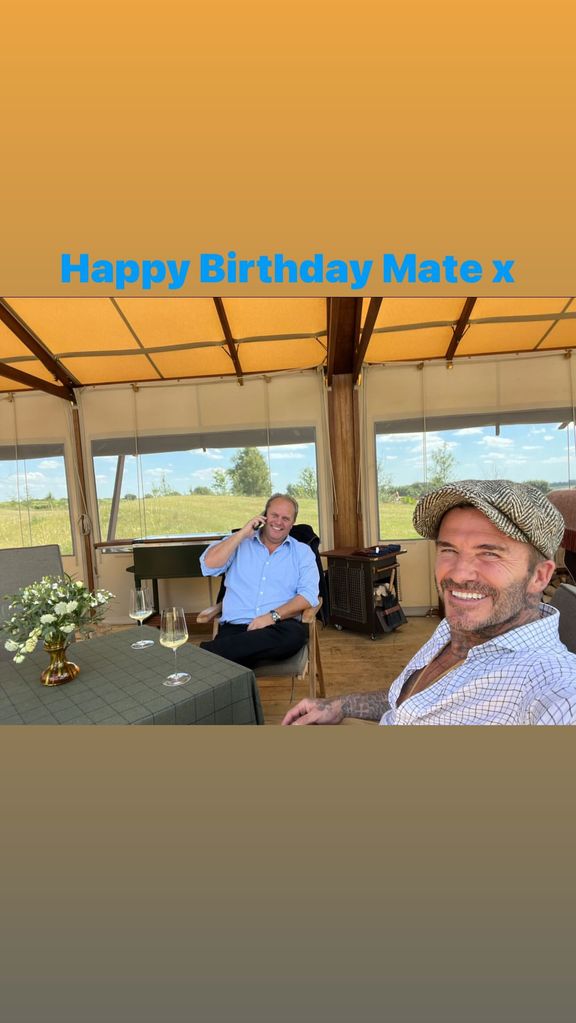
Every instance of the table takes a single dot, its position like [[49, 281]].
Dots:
[[121, 686]]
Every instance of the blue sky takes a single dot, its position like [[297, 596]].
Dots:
[[182, 470], [185, 470], [538, 451], [32, 478]]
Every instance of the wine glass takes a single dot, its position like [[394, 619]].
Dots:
[[141, 607], [174, 633]]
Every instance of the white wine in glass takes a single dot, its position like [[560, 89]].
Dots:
[[141, 607], [174, 633]]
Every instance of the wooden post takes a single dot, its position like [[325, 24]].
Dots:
[[87, 539], [344, 448]]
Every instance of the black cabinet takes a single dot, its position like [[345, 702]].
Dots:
[[356, 582]]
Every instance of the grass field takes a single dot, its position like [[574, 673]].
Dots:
[[34, 526], [396, 521], [176, 515]]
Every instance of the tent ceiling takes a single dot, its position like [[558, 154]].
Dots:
[[58, 344]]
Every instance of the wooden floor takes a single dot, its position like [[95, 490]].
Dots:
[[352, 662]]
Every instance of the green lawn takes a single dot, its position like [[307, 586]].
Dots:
[[396, 521], [174, 515], [35, 526]]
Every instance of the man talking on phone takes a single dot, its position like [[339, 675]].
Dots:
[[270, 579]]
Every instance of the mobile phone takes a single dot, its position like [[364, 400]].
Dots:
[[262, 515]]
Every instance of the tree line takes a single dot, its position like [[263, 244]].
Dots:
[[442, 470], [248, 476]]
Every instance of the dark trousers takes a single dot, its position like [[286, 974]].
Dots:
[[274, 643]]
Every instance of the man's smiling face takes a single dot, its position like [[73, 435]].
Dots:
[[488, 581], [279, 521]]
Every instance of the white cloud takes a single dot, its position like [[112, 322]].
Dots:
[[531, 447], [469, 430], [158, 473], [205, 475], [208, 453], [287, 455], [49, 463], [549, 436], [433, 442], [495, 442], [400, 438], [494, 456], [33, 484], [284, 447], [31, 477]]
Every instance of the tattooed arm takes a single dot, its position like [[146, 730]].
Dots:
[[367, 706]]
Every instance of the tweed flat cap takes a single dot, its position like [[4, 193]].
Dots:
[[516, 509]]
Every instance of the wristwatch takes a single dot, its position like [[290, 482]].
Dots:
[[275, 617]]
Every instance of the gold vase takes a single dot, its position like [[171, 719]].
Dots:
[[59, 670]]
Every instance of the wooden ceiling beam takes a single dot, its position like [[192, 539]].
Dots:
[[369, 322], [460, 328], [35, 382], [33, 345], [344, 317], [232, 349]]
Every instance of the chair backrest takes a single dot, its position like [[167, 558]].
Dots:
[[20, 566], [565, 600]]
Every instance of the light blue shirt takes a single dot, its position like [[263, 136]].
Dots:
[[258, 581], [524, 677]]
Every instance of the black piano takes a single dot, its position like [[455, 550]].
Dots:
[[174, 557]]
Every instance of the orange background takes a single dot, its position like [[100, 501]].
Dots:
[[145, 130]]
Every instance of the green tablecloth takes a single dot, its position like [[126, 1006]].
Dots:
[[121, 686]]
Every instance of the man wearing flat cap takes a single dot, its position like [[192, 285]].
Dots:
[[496, 658]]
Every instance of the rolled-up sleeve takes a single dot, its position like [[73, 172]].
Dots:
[[308, 578], [206, 570]]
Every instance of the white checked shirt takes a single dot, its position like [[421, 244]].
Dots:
[[523, 677]]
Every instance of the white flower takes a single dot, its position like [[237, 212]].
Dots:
[[60, 608], [19, 658], [79, 585], [71, 606], [68, 627], [46, 619], [10, 645], [30, 645]]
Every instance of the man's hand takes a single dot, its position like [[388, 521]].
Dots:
[[261, 622], [253, 524], [218, 555], [315, 712]]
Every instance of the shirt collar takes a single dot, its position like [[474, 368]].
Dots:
[[288, 540]]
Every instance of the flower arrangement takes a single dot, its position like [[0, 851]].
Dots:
[[52, 610]]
